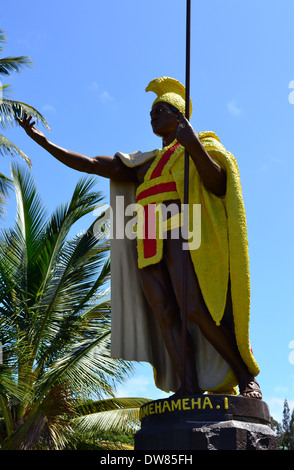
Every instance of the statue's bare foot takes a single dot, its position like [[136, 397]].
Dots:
[[250, 389]]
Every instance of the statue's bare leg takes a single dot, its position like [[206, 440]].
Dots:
[[159, 293], [221, 336]]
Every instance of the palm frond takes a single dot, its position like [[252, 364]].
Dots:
[[2, 38], [109, 415], [5, 186], [3, 89], [68, 268], [88, 366], [28, 233], [108, 404], [9, 386], [64, 330], [11, 109], [13, 64], [102, 279], [46, 425], [8, 147]]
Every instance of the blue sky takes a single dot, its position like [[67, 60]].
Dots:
[[92, 62]]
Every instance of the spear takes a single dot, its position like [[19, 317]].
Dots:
[[186, 201]]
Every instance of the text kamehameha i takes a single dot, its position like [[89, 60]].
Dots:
[[182, 404]]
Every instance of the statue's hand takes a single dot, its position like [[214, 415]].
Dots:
[[185, 133], [28, 126]]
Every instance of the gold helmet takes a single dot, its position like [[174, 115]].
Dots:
[[169, 91]]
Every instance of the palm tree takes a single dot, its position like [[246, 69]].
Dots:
[[5, 186], [57, 379], [9, 110]]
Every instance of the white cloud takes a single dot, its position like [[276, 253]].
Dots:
[[276, 406], [135, 387], [94, 87], [141, 384], [291, 94], [233, 108], [48, 108], [103, 95]]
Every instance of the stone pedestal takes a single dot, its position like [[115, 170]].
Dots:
[[205, 422]]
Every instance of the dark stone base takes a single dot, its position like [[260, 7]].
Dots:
[[233, 435], [206, 422]]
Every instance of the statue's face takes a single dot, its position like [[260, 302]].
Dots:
[[163, 119]]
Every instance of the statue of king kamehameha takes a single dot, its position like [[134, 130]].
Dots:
[[146, 273]]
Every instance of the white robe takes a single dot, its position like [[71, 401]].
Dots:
[[135, 334]]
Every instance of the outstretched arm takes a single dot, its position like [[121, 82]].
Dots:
[[107, 166], [212, 175]]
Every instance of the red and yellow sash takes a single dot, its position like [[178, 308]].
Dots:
[[158, 186]]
